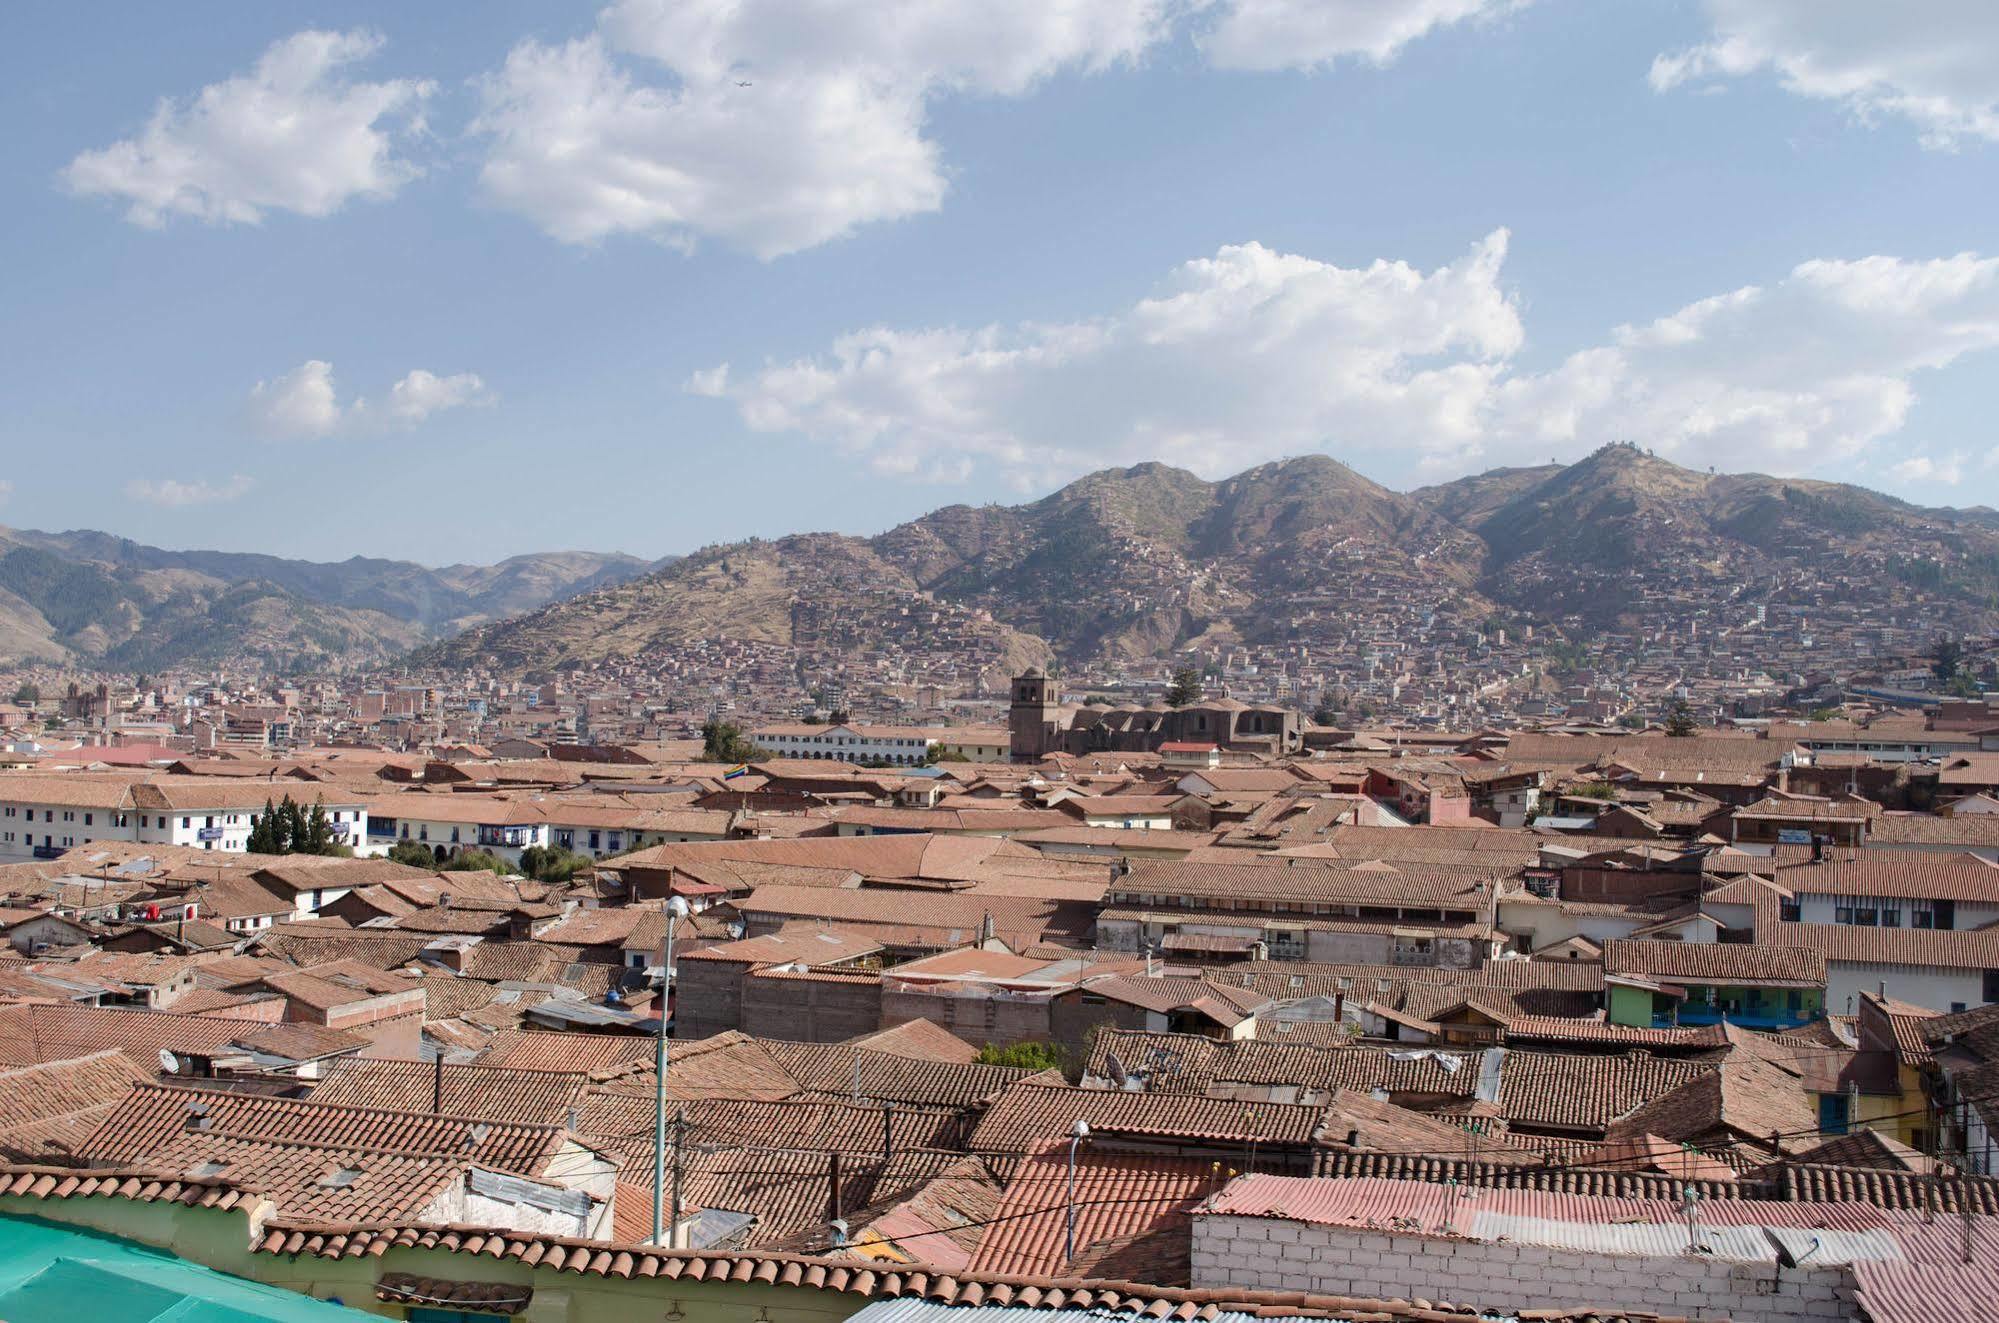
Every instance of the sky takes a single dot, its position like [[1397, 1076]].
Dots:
[[452, 282]]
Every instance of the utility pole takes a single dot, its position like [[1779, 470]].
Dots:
[[1077, 1134], [1964, 1209], [675, 909], [679, 1171]]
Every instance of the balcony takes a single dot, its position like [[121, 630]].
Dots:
[[1748, 1012]]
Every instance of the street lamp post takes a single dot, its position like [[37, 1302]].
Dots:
[[1077, 1134], [676, 910]]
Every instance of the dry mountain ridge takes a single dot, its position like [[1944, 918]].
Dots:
[[92, 597], [1141, 561]]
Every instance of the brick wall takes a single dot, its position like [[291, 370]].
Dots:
[[708, 997], [812, 1009], [1277, 1255]]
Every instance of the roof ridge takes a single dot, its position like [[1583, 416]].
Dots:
[[348, 1107]]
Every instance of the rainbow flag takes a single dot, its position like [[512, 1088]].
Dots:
[[740, 769]]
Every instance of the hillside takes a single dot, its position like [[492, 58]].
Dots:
[[815, 590], [91, 597], [1604, 536], [1136, 562]]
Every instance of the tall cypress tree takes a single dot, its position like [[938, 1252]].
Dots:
[[263, 831], [317, 837], [292, 825]]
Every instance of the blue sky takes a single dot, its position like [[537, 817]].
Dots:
[[455, 282]]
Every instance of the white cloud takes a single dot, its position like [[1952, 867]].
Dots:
[[301, 403], [1935, 64], [421, 394], [6, 491], [1253, 354], [1925, 468], [1302, 34], [292, 135], [305, 403], [643, 127], [173, 492]]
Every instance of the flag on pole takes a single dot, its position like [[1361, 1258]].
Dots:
[[740, 769]]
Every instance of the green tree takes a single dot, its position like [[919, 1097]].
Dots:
[[1186, 688], [1680, 719], [1030, 1055], [1825, 714], [291, 820], [552, 863], [412, 854], [284, 828], [264, 831], [838, 717], [316, 835], [1946, 655], [466, 861], [939, 754], [1593, 790], [27, 695], [1327, 713], [724, 742]]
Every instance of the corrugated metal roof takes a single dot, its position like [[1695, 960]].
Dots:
[[1652, 1238], [1742, 1230], [928, 1311]]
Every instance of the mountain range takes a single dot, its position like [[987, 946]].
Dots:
[[1139, 561], [93, 598], [1122, 563]]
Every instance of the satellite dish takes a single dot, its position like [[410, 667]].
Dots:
[[169, 1062]]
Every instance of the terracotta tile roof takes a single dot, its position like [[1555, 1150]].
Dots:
[[1132, 1218], [1031, 1114], [525, 962], [1557, 1177], [464, 922], [729, 1065], [1583, 1091], [1901, 1023], [626, 1121], [155, 1116], [401, 1288], [299, 1041], [29, 1034], [1899, 1190], [1716, 962], [922, 1040], [313, 943], [534, 1097], [841, 1070], [334, 1183], [145, 1187], [945, 919], [941, 1223], [788, 1191], [1957, 877], [44, 1107], [809, 943], [1867, 1148], [551, 1050], [1411, 885], [1110, 1299], [1743, 1097]]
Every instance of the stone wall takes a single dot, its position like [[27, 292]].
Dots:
[[1279, 1255]]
